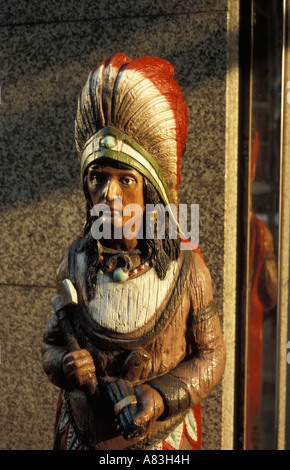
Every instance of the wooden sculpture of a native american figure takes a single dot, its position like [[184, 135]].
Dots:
[[134, 342]]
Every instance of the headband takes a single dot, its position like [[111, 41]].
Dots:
[[112, 143]]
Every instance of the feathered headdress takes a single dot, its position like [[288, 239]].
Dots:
[[133, 111]]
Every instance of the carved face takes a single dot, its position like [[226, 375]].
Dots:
[[118, 188]]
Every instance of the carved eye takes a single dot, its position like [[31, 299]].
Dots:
[[126, 181], [97, 179]]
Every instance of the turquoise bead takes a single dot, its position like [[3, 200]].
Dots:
[[108, 142], [120, 275]]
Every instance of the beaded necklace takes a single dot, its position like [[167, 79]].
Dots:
[[121, 266]]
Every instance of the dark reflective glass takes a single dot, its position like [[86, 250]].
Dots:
[[263, 233]]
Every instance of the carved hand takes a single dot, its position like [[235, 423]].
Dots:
[[136, 408], [150, 405], [78, 367]]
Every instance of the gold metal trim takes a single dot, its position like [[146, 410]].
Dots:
[[283, 258]]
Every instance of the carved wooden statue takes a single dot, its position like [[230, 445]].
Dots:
[[134, 343]]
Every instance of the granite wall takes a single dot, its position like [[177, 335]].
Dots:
[[47, 51]]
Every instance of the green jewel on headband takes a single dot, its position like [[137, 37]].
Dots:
[[112, 143]]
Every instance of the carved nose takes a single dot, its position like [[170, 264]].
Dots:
[[105, 190], [112, 190]]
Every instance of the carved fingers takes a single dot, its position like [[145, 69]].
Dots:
[[78, 368], [150, 405], [135, 408], [122, 396]]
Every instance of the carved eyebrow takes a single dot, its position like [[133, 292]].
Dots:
[[122, 172]]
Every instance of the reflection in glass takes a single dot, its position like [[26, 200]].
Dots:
[[263, 225]]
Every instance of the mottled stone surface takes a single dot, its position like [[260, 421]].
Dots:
[[33, 11], [46, 55], [28, 400]]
